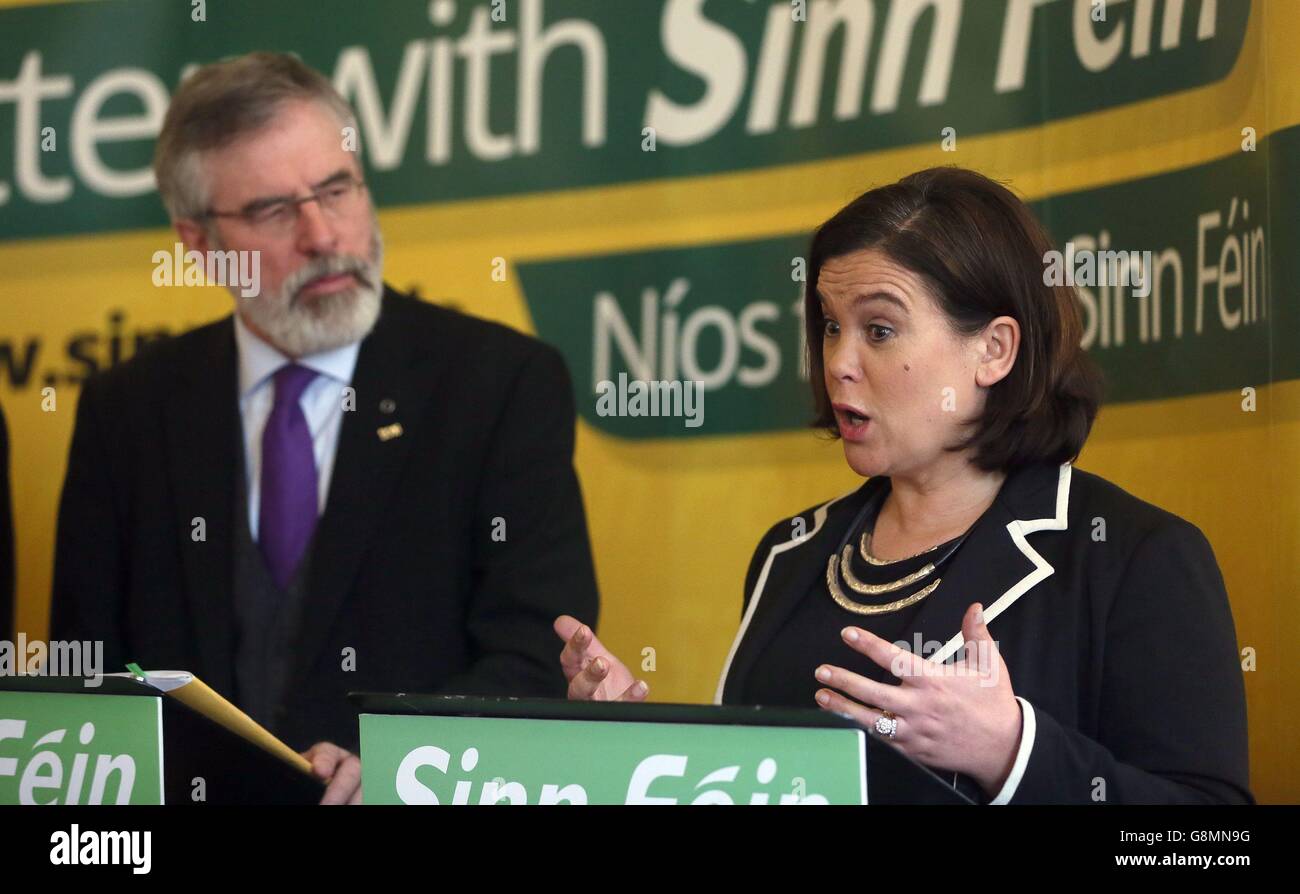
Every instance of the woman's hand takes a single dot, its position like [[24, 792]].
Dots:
[[961, 716], [594, 674]]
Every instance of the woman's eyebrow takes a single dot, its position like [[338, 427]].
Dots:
[[880, 296]]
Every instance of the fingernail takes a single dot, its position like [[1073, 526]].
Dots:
[[599, 665], [979, 614], [641, 687], [824, 674], [823, 698], [851, 634]]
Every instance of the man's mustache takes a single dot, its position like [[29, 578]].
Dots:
[[330, 266]]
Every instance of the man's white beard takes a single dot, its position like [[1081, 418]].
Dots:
[[299, 327]]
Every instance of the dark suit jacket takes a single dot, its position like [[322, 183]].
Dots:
[[405, 569], [1123, 646]]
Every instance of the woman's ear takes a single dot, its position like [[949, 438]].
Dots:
[[998, 346]]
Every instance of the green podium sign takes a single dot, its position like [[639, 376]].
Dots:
[[66, 748], [412, 759]]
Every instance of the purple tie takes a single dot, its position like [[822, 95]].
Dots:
[[287, 515]]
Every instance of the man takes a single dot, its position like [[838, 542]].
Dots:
[[337, 488]]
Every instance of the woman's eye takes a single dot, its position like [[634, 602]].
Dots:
[[831, 328], [876, 332]]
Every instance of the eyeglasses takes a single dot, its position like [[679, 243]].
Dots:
[[337, 198]]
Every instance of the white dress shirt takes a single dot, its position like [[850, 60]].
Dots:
[[321, 402]]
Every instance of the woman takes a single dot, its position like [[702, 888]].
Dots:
[[1027, 629]]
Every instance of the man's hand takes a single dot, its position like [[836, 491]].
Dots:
[[340, 769]]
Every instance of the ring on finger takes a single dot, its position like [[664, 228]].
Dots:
[[887, 724]]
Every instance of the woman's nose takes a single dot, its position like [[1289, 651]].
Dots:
[[842, 360]]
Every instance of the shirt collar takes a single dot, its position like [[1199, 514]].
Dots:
[[258, 360]]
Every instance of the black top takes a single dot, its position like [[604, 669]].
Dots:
[[783, 676]]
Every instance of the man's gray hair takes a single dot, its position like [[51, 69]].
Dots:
[[218, 104]]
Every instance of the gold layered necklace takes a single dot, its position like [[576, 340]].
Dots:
[[840, 566]]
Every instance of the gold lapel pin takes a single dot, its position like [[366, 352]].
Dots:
[[388, 432]]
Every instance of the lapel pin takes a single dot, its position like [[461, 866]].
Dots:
[[387, 405], [388, 432]]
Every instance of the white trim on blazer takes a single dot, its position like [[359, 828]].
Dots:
[[1042, 570], [1018, 529], [819, 518]]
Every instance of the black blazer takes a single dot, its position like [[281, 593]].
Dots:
[[1112, 618], [405, 569]]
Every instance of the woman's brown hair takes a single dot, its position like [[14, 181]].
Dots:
[[981, 252]]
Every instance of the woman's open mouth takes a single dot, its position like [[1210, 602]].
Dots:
[[853, 422]]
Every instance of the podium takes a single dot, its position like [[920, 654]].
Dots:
[[122, 741], [424, 749]]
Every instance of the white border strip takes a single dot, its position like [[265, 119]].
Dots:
[[1028, 732], [162, 754], [819, 519]]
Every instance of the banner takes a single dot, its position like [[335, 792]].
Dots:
[[636, 183], [59, 748], [496, 760]]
